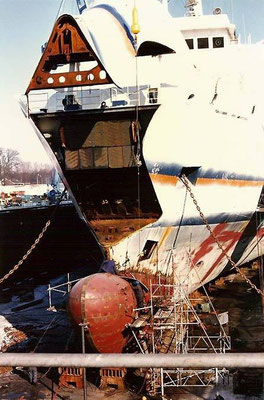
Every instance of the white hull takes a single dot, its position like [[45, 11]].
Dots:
[[188, 254]]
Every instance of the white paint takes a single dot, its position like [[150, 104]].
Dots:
[[176, 253]]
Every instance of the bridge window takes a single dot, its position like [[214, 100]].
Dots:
[[189, 43], [153, 95], [218, 42], [203, 43]]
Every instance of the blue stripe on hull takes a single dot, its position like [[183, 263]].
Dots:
[[176, 170], [212, 220]]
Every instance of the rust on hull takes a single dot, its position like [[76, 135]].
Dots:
[[106, 303], [67, 45], [111, 231]]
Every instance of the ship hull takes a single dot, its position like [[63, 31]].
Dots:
[[143, 216], [188, 254], [66, 245]]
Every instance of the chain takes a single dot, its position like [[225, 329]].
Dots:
[[221, 247], [25, 256]]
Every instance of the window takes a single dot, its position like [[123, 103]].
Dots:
[[189, 43], [203, 43], [153, 95], [218, 42]]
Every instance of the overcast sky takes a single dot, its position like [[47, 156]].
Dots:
[[26, 24]]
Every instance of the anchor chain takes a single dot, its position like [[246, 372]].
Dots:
[[25, 256], [221, 247]]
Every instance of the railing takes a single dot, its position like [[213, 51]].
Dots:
[[38, 101], [234, 360], [58, 288], [50, 101]]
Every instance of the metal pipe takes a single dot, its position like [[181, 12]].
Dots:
[[234, 360], [261, 282], [83, 326], [50, 301]]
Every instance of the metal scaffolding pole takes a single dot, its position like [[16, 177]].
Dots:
[[177, 328], [234, 360], [83, 326]]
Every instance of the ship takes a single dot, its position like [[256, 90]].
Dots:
[[30, 217], [155, 125]]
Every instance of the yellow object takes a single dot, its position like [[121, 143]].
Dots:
[[135, 28], [144, 398]]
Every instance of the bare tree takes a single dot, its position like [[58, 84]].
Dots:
[[12, 168], [9, 163], [35, 173]]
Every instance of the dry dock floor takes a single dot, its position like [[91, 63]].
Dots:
[[231, 294], [14, 387]]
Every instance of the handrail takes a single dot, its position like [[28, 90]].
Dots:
[[229, 360]]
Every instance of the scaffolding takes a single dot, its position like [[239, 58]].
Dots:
[[177, 327], [63, 288], [173, 323]]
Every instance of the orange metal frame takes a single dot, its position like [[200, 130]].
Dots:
[[67, 45]]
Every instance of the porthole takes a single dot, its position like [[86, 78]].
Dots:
[[102, 74]]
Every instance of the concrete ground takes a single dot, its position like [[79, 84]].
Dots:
[[17, 387], [14, 386]]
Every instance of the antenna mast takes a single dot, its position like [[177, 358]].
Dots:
[[195, 8]]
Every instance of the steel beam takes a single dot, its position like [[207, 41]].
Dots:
[[234, 360]]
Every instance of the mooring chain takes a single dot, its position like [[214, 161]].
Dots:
[[25, 256], [221, 247]]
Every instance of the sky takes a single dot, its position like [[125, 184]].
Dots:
[[26, 24]]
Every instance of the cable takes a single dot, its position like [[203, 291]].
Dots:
[[180, 224], [44, 333], [138, 150], [60, 7], [178, 231]]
